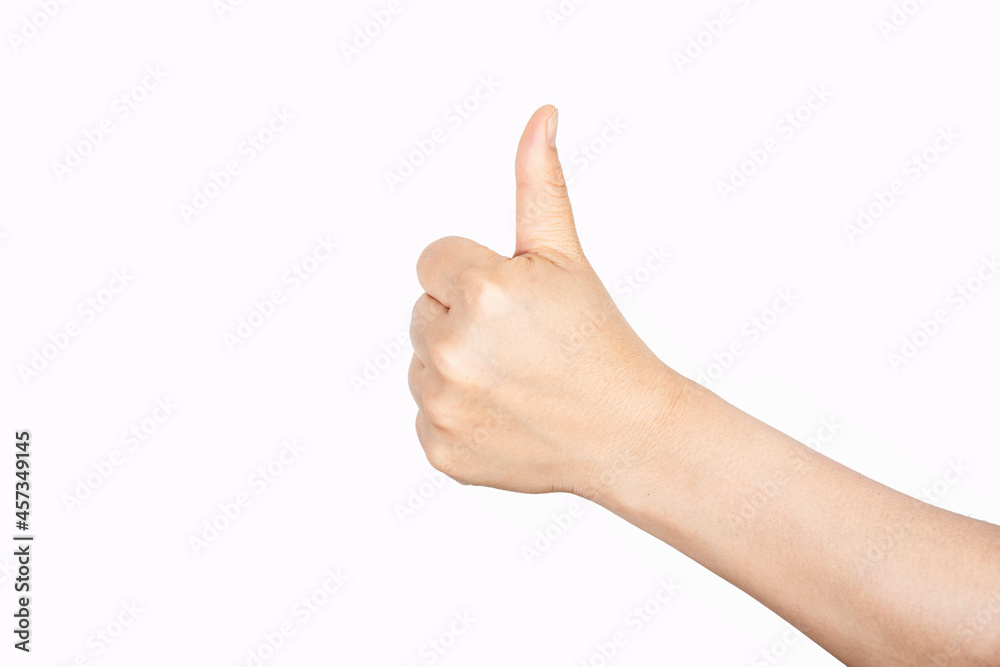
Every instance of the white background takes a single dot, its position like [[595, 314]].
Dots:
[[336, 505]]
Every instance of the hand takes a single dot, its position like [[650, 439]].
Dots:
[[526, 375], [528, 378]]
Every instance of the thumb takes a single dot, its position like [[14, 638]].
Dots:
[[544, 217]]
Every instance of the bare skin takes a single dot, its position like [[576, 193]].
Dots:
[[528, 378]]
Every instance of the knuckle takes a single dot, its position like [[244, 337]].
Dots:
[[439, 412], [474, 287], [446, 359], [450, 294], [419, 316], [481, 289]]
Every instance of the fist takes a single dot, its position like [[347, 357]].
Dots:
[[525, 374]]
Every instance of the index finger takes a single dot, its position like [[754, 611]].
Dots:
[[443, 263]]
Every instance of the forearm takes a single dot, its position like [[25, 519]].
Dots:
[[528, 378], [828, 549]]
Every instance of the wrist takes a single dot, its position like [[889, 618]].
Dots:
[[650, 448]]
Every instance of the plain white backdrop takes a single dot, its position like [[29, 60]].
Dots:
[[168, 169]]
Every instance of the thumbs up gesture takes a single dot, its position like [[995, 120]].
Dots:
[[525, 374]]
